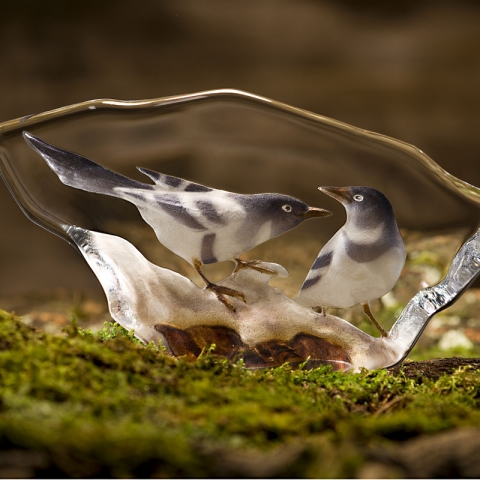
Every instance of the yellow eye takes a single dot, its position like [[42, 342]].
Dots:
[[287, 208], [358, 198]]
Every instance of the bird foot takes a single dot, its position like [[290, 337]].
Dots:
[[368, 312], [253, 264], [221, 292], [218, 290]]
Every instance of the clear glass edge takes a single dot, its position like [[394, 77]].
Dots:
[[463, 271], [466, 190]]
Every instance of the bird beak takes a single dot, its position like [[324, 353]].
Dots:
[[313, 212], [342, 194]]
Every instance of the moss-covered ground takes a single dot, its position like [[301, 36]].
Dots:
[[99, 405]]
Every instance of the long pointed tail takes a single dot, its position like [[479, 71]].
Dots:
[[79, 172]]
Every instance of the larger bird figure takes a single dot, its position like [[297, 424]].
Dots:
[[198, 223], [363, 260]]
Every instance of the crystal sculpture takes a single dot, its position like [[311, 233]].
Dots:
[[250, 134]]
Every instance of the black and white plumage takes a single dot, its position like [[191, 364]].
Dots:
[[363, 260], [200, 224]]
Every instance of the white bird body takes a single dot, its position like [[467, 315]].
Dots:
[[366, 281], [213, 236], [363, 260]]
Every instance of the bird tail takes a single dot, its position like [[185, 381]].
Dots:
[[79, 172]]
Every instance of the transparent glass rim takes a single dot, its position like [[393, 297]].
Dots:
[[454, 184]]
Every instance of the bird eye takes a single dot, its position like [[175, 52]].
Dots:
[[358, 198], [287, 208]]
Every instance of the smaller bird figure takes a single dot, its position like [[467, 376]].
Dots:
[[200, 224], [362, 261]]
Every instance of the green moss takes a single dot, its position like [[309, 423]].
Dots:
[[104, 405]]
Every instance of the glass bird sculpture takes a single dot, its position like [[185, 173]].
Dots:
[[243, 315]]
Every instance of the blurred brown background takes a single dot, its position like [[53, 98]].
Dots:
[[408, 69]]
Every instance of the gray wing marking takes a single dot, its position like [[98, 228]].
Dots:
[[310, 282], [196, 187], [210, 212], [322, 261], [172, 205], [207, 254]]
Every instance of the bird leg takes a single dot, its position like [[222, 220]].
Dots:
[[368, 312], [253, 265], [218, 290]]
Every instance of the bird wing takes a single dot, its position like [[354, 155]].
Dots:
[[318, 268], [153, 203], [183, 212], [171, 183], [200, 211]]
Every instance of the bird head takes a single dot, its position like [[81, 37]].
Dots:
[[365, 206], [287, 212]]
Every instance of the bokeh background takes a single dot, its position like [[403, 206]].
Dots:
[[407, 69]]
